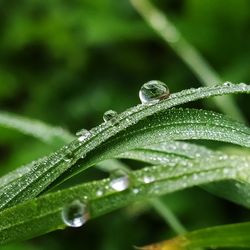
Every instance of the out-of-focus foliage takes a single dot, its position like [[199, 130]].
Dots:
[[66, 62]]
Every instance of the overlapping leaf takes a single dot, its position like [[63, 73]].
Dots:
[[43, 214], [136, 127]]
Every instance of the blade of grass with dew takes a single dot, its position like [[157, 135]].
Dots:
[[169, 152], [43, 214], [198, 65], [136, 127], [50, 134], [172, 153]]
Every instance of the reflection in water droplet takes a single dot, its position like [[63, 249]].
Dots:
[[75, 214], [153, 91], [109, 115], [119, 180], [83, 135]]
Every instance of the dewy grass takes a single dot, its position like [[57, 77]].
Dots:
[[153, 133]]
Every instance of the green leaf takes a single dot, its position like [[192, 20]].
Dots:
[[139, 126], [43, 214], [169, 152], [36, 128], [172, 153], [234, 235]]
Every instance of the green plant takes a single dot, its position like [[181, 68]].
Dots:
[[152, 133]]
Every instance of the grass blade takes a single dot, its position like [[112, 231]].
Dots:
[[234, 235], [43, 214], [141, 125], [35, 128]]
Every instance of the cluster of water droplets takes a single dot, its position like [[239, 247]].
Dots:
[[153, 91], [75, 214]]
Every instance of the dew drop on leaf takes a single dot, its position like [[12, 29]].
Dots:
[[119, 180], [75, 214], [153, 91], [99, 192], [109, 115], [148, 179], [83, 135], [228, 84]]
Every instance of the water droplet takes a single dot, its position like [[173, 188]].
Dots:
[[99, 192], [148, 179], [119, 180], [83, 135], [228, 84], [153, 91], [69, 156], [75, 214], [109, 115], [135, 190]]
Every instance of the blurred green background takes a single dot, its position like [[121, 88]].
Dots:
[[66, 62]]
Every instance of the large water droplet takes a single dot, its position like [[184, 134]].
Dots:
[[83, 135], [119, 180], [109, 115], [75, 214], [153, 91]]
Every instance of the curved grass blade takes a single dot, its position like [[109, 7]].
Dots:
[[43, 214], [33, 128], [172, 153], [36, 128], [136, 127], [234, 235]]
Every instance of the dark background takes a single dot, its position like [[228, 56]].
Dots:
[[67, 62]]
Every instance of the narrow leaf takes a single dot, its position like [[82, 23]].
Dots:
[[136, 127], [38, 129], [234, 235], [43, 214]]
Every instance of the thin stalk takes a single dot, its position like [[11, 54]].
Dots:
[[197, 64], [165, 212]]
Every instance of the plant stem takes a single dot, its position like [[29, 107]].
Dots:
[[197, 64], [168, 215]]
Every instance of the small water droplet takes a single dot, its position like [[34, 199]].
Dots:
[[119, 180], [135, 190], [68, 157], [83, 135], [153, 91], [109, 115], [148, 179], [99, 192], [228, 84], [75, 214]]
